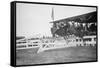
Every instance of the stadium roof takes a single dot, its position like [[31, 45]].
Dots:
[[84, 18]]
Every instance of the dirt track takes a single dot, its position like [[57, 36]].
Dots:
[[71, 54]]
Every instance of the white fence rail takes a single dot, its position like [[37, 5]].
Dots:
[[47, 45]]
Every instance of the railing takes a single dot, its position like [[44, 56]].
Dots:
[[55, 45], [26, 46]]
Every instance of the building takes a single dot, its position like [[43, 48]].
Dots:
[[86, 23]]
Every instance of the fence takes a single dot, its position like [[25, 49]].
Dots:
[[48, 45]]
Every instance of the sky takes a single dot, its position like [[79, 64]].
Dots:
[[34, 19]]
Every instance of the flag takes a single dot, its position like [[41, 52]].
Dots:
[[52, 15]]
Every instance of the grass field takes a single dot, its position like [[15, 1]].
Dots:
[[71, 54]]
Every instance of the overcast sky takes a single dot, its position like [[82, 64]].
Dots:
[[33, 19]]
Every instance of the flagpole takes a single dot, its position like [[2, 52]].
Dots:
[[52, 16]]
